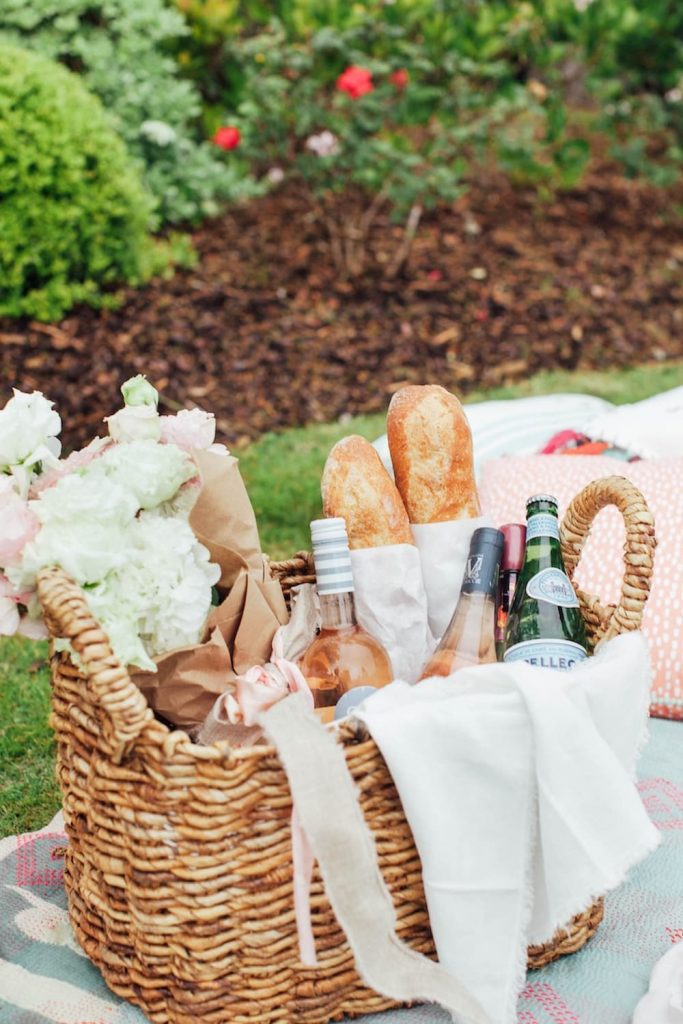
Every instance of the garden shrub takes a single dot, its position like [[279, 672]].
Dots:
[[596, 68], [634, 59], [121, 47], [400, 128], [74, 215]]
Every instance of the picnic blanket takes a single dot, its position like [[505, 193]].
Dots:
[[46, 979]]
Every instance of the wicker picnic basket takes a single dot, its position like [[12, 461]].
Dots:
[[179, 862]]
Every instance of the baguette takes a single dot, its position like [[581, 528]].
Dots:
[[431, 452], [356, 486]]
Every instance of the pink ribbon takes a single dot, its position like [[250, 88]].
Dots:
[[302, 860], [257, 690]]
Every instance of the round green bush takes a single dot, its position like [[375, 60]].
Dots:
[[74, 216], [123, 51]]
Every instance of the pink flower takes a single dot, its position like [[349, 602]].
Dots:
[[399, 78], [77, 460], [355, 81], [188, 429], [18, 524], [34, 629], [324, 144], [9, 611], [227, 137], [261, 687], [11, 621]]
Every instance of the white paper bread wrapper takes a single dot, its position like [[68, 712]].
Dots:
[[391, 603], [443, 550]]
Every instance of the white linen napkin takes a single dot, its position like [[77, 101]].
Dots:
[[519, 791], [443, 549], [391, 603], [663, 1002]]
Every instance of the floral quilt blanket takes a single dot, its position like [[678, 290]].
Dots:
[[45, 977]]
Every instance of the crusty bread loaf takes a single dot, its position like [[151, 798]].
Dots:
[[431, 452], [356, 486]]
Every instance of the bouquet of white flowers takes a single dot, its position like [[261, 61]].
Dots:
[[115, 516]]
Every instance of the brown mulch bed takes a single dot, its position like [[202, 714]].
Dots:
[[266, 334]]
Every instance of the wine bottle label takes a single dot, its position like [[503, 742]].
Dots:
[[558, 654], [481, 571], [543, 524], [552, 585]]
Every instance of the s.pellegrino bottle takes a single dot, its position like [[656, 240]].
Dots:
[[343, 655], [469, 638], [545, 626]]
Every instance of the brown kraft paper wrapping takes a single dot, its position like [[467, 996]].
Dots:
[[239, 632], [223, 519]]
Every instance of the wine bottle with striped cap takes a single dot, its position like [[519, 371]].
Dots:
[[343, 655]]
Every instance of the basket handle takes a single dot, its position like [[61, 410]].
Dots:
[[67, 615], [604, 622]]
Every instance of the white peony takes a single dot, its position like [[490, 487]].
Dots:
[[160, 599], [88, 496], [178, 596], [134, 423], [28, 432], [84, 521], [85, 549], [139, 419], [151, 472]]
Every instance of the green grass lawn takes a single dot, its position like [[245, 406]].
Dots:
[[282, 473]]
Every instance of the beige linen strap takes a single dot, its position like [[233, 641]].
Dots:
[[327, 804]]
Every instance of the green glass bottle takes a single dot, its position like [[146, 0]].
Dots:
[[545, 626]]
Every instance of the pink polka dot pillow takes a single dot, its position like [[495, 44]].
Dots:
[[506, 484]]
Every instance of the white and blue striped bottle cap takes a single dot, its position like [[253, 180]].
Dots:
[[331, 556]]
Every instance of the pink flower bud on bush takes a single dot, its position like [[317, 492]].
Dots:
[[399, 78]]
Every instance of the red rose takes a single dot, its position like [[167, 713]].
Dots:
[[355, 81], [399, 78], [227, 137]]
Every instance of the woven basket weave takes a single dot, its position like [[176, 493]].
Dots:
[[179, 863]]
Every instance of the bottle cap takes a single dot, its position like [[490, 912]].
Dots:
[[483, 561], [351, 699], [514, 542], [484, 536], [541, 497], [332, 556]]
